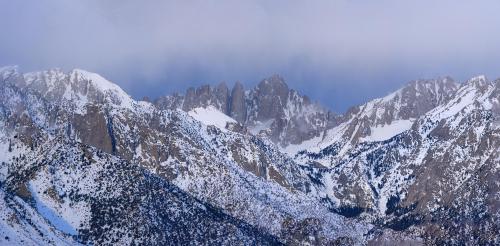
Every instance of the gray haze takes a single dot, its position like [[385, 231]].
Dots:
[[338, 52]]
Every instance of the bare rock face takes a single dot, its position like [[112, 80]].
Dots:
[[173, 101], [281, 114], [238, 108], [269, 99], [420, 96], [223, 97], [204, 96]]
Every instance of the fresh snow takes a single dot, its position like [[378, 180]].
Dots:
[[318, 143], [51, 214], [104, 85], [261, 126], [6, 155], [98, 81], [7, 71], [384, 132], [211, 116], [466, 97], [65, 215], [36, 232]]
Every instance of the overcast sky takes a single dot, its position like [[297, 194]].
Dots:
[[338, 52]]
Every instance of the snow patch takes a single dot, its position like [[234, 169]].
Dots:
[[211, 116], [260, 126], [7, 71], [104, 85], [65, 215], [51, 214], [384, 132]]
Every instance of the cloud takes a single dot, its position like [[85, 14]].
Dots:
[[351, 49]]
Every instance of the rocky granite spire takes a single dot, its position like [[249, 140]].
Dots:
[[270, 99], [271, 108], [202, 96], [222, 98], [238, 109]]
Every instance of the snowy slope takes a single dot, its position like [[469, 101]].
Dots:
[[86, 163], [211, 116], [380, 119], [242, 176], [384, 132], [443, 165]]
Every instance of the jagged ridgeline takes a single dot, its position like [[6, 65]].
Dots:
[[281, 113], [84, 163]]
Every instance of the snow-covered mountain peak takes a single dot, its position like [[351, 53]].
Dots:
[[97, 81], [382, 118], [98, 174], [479, 82], [432, 84], [11, 75], [274, 79], [7, 71], [78, 87], [478, 78], [114, 92], [50, 78], [475, 93], [409, 102], [478, 85]]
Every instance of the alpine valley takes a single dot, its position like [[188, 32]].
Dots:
[[82, 162]]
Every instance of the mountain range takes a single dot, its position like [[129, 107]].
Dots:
[[82, 162]]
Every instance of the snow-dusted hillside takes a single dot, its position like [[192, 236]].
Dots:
[[436, 178], [245, 178], [210, 116], [84, 163]]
